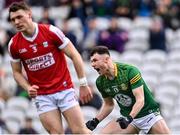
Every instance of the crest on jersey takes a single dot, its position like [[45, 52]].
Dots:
[[45, 44], [107, 90], [123, 86]]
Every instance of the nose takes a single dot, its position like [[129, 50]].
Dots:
[[16, 21]]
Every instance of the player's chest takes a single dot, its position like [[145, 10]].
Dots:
[[113, 87], [29, 50]]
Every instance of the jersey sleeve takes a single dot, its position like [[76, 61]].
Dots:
[[14, 56], [135, 78], [59, 38], [100, 89]]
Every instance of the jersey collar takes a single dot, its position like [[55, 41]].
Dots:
[[35, 34], [115, 68]]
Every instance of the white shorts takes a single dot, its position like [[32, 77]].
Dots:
[[62, 100], [145, 123]]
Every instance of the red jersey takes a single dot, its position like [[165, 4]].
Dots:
[[42, 58]]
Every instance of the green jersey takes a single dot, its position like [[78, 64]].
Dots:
[[127, 78]]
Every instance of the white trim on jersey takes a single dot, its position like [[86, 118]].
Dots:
[[31, 39], [11, 58], [60, 35], [66, 41]]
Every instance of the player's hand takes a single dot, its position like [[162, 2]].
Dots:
[[92, 124], [124, 122], [32, 91], [85, 94]]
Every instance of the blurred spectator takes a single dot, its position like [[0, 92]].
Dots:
[[1, 51], [114, 37], [21, 92], [39, 2], [146, 7], [102, 8], [88, 4], [9, 2], [28, 128], [3, 40], [124, 8], [46, 19], [70, 34], [4, 94], [157, 38], [3, 127], [90, 37], [77, 10], [170, 13], [2, 5], [61, 2]]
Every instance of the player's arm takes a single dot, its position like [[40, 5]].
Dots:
[[21, 80], [18, 75], [73, 54], [106, 109], [136, 82], [139, 96], [68, 48]]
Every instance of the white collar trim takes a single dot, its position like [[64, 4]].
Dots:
[[35, 34]]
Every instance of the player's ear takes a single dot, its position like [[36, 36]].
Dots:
[[107, 58], [29, 13]]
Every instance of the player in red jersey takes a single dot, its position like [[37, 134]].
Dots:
[[40, 49]]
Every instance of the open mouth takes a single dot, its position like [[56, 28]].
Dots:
[[97, 69], [19, 27]]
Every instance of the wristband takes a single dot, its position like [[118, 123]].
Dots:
[[130, 118], [96, 120], [83, 81]]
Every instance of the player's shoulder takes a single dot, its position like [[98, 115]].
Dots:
[[126, 67], [49, 27], [15, 39], [17, 36], [44, 26], [99, 79]]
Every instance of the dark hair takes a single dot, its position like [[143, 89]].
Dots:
[[15, 6], [99, 50]]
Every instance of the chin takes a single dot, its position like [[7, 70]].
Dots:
[[20, 30]]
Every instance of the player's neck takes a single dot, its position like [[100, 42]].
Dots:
[[30, 31], [111, 72]]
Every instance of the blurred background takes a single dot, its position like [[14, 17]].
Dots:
[[145, 33]]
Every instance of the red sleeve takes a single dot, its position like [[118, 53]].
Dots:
[[13, 51], [58, 36]]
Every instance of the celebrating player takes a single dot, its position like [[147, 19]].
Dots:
[[123, 82]]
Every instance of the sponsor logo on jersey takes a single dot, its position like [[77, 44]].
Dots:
[[40, 62], [124, 100], [115, 89], [45, 44], [22, 50]]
